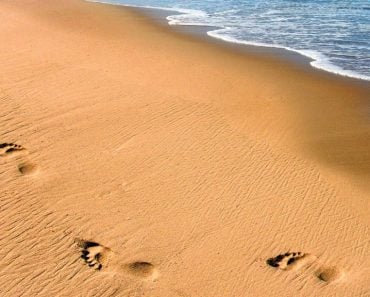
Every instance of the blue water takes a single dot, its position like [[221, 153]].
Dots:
[[335, 34]]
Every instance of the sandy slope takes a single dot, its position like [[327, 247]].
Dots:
[[173, 167]]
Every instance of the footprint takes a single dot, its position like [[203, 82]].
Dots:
[[10, 148], [100, 258], [25, 167], [94, 254], [290, 260], [297, 260]]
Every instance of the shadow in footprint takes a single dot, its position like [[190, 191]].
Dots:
[[329, 274], [10, 148], [95, 255], [142, 269], [27, 168], [287, 261]]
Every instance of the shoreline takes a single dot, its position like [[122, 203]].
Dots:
[[137, 160], [293, 60], [162, 16]]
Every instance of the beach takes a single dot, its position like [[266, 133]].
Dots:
[[137, 160]]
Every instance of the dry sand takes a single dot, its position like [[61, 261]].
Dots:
[[173, 166]]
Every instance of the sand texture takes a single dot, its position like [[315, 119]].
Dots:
[[137, 161]]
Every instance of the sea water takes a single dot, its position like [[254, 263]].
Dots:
[[335, 34]]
